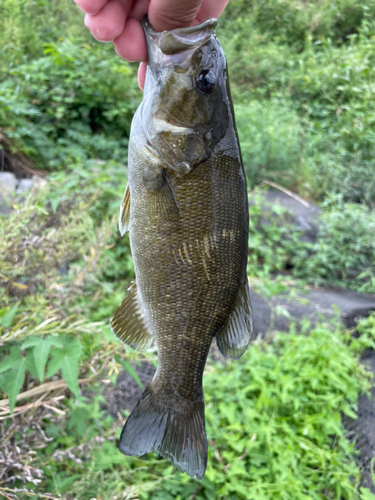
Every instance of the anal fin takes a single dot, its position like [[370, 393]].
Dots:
[[125, 212], [128, 322], [234, 338]]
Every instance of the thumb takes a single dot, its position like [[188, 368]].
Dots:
[[171, 14]]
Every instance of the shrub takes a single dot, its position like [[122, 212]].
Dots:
[[343, 255], [270, 135], [75, 102]]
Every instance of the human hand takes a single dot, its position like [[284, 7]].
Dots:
[[119, 21]]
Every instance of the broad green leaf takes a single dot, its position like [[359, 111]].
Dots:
[[69, 368], [366, 494], [11, 382], [41, 351], [54, 204], [30, 364], [129, 369], [10, 361], [66, 359], [7, 317], [55, 364]]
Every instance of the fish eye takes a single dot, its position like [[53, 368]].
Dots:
[[206, 81]]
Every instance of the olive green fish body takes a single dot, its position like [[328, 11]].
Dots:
[[187, 214]]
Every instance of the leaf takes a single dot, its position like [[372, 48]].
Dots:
[[55, 364], [7, 318], [66, 359], [30, 364], [366, 494], [69, 368], [54, 204], [11, 382], [8, 362], [41, 351], [129, 369]]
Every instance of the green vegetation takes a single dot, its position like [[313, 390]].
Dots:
[[307, 72], [343, 255], [68, 99], [302, 76]]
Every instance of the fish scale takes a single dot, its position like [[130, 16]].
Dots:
[[187, 214]]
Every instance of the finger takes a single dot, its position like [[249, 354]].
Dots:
[[211, 9], [91, 6], [131, 43], [142, 75], [165, 15], [139, 9], [109, 23]]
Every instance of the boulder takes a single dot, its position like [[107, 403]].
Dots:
[[25, 185], [314, 304], [8, 184], [11, 187], [302, 214]]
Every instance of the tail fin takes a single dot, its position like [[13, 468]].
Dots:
[[175, 431]]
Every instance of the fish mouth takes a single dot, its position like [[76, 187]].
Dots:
[[179, 39], [210, 22]]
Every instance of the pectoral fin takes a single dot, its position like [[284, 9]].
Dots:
[[235, 335], [125, 212], [166, 201], [162, 198], [129, 324]]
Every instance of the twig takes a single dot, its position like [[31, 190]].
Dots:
[[289, 193], [196, 493], [47, 387], [28, 492], [56, 410], [18, 410], [5, 495]]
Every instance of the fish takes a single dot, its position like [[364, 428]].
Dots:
[[186, 210]]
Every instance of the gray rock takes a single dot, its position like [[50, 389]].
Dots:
[[5, 207], [303, 217], [362, 429], [10, 187], [316, 305], [8, 183], [25, 185]]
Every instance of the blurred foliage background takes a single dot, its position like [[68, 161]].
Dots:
[[303, 84]]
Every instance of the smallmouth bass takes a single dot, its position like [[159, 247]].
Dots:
[[186, 210]]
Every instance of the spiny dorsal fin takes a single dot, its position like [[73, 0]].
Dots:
[[235, 336], [128, 322], [125, 212]]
